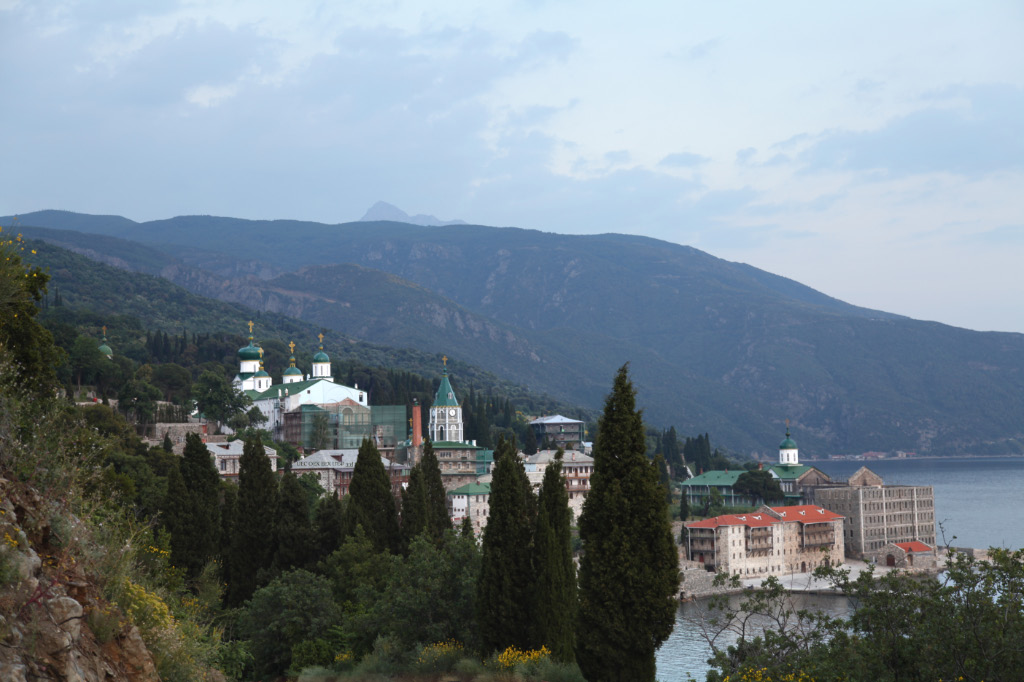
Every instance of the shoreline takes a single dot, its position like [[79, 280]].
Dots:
[[854, 458]]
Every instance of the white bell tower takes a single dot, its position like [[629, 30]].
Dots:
[[445, 413]]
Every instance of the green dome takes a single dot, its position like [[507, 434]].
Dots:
[[321, 357], [787, 444], [293, 371], [105, 349], [249, 352]]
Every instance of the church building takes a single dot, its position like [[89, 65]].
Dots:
[[295, 389]]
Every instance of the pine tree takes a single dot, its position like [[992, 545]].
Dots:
[[252, 548], [168, 446], [293, 532], [629, 573], [506, 586], [555, 610], [371, 503]]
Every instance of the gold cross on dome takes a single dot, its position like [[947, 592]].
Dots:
[[321, 338], [291, 347], [261, 356], [444, 359], [787, 423], [104, 330], [250, 326]]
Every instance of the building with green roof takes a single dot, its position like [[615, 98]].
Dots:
[[471, 501], [445, 413]]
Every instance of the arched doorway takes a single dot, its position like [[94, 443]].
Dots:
[[803, 566], [700, 557], [890, 560]]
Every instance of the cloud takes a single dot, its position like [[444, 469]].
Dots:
[[969, 131], [1005, 235], [617, 157], [683, 160], [744, 156]]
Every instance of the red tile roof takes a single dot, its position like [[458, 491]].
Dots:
[[914, 546], [754, 520], [804, 513]]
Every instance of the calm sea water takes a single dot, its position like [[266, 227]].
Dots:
[[977, 502]]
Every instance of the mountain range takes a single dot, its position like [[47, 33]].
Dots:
[[714, 346]]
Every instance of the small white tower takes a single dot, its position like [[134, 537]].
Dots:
[[445, 413], [322, 363], [262, 377], [248, 364], [293, 373], [788, 453]]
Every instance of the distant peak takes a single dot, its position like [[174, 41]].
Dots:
[[382, 210]]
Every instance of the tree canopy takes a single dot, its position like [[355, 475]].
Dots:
[[627, 541]]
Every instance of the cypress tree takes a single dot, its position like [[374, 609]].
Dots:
[[293, 532], [174, 514], [414, 506], [191, 509], [555, 611], [437, 520], [327, 526], [506, 585], [252, 548], [168, 446], [467, 529], [371, 503], [200, 478], [530, 441], [629, 573]]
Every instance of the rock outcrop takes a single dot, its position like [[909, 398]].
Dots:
[[54, 622]]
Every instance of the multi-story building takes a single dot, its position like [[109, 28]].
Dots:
[[557, 431], [878, 514], [771, 541], [471, 500], [333, 470], [226, 458], [576, 467]]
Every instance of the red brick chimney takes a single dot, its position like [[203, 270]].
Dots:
[[417, 425]]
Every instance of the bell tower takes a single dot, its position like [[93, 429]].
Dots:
[[446, 413]]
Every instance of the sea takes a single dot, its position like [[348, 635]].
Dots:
[[978, 503]]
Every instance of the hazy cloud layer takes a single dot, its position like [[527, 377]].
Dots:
[[887, 176]]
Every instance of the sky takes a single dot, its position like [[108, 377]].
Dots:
[[871, 150]]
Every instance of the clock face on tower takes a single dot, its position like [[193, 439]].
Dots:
[[451, 412]]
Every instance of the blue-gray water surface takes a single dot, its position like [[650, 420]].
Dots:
[[977, 502]]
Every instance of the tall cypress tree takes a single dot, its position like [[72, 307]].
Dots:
[[328, 523], [252, 548], [175, 517], [506, 585], [555, 611], [293, 532], [414, 506], [371, 503], [629, 573], [203, 483], [435, 496], [191, 509]]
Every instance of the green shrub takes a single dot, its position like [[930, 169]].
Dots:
[[310, 653]]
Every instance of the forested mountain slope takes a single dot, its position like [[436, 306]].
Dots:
[[714, 345]]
